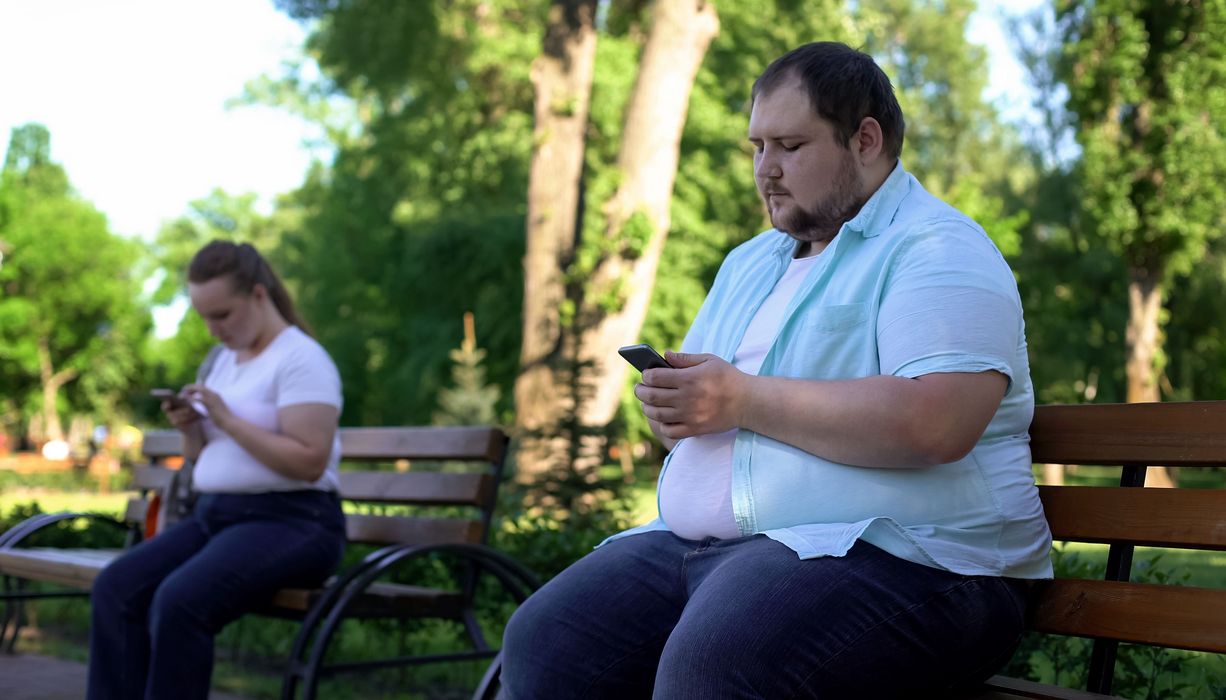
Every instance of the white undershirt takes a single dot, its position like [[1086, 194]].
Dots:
[[696, 489]]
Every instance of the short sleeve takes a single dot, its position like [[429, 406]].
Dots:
[[308, 375], [950, 305]]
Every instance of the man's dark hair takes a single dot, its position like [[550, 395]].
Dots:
[[844, 86]]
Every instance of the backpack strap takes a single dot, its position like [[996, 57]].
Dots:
[[180, 496], [206, 367]]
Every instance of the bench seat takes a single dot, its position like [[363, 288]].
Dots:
[[77, 568]]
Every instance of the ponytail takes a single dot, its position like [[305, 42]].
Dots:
[[246, 268]]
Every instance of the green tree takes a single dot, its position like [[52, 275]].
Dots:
[[1145, 89], [470, 400], [602, 279], [419, 217], [71, 320]]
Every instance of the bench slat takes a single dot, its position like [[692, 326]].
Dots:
[[459, 443], [151, 476], [76, 568], [159, 444], [1182, 617], [427, 488], [136, 511], [1184, 518], [1188, 434], [379, 600], [468, 443], [379, 529]]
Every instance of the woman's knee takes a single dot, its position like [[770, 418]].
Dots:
[[113, 590]]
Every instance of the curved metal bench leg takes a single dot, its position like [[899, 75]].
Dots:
[[14, 612], [10, 607], [295, 670], [517, 581], [475, 634], [325, 617], [488, 688]]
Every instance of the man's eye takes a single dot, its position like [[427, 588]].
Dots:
[[790, 148]]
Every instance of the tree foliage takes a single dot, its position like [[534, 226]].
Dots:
[[71, 319], [419, 218], [1144, 83]]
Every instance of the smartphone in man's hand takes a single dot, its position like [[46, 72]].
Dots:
[[643, 357]]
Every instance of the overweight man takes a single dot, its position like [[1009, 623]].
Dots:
[[847, 509]]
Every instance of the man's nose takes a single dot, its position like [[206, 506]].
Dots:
[[768, 166]]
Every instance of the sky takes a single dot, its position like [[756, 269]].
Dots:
[[134, 94]]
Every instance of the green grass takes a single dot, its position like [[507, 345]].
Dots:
[[52, 501]]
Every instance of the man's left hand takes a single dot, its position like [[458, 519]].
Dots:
[[700, 394]]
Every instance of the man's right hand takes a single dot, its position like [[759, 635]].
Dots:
[[657, 428]]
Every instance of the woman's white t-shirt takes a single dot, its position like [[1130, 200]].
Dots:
[[293, 369]]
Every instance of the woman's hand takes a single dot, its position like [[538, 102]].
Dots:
[[215, 407], [181, 415]]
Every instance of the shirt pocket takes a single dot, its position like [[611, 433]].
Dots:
[[829, 342], [835, 319]]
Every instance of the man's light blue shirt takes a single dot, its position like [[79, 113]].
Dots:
[[908, 287]]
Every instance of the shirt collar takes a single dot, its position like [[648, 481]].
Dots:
[[879, 210]]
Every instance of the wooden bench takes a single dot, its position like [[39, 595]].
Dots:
[[408, 527], [1110, 611], [1114, 610]]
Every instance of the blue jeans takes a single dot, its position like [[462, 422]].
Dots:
[[157, 608], [656, 616]]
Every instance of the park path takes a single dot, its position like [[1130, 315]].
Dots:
[[34, 677]]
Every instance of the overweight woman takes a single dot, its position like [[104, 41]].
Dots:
[[261, 428]]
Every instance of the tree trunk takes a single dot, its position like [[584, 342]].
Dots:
[[51, 381], [562, 75], [681, 31], [1143, 341], [570, 377]]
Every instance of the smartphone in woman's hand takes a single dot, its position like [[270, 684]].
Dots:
[[176, 401]]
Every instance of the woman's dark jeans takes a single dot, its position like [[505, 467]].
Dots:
[[653, 615], [157, 608]]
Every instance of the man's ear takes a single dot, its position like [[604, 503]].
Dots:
[[869, 141]]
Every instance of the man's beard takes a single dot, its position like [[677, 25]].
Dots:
[[822, 222]]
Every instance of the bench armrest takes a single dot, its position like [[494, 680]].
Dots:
[[24, 529]]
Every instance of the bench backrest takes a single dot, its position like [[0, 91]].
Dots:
[[437, 485], [1132, 437]]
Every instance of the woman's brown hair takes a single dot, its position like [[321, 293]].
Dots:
[[246, 268]]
